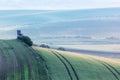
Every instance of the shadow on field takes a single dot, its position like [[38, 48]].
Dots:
[[96, 53]]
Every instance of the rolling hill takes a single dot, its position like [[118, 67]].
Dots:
[[90, 26], [20, 62]]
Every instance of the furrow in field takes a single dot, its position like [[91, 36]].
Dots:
[[40, 63], [29, 65], [21, 61], [25, 64], [2, 64], [20, 65], [114, 69], [34, 63], [111, 71], [77, 78], [37, 69], [110, 68], [8, 70], [68, 71], [10, 60]]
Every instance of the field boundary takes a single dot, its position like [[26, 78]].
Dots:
[[36, 54]]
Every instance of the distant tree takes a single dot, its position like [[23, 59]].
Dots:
[[44, 46], [35, 45], [61, 48], [26, 40]]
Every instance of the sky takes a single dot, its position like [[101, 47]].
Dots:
[[96, 23], [57, 4], [104, 22]]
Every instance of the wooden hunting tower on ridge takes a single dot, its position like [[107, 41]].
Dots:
[[19, 33]]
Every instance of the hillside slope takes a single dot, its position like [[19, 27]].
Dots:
[[70, 66], [20, 62]]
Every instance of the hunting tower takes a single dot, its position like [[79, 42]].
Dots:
[[19, 33]]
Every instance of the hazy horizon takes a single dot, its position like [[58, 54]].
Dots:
[[96, 26]]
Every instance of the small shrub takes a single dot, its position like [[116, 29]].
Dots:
[[61, 48], [26, 40], [44, 46]]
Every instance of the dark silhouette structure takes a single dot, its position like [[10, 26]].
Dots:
[[19, 33], [23, 38]]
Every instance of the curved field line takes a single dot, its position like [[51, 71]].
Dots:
[[111, 71], [37, 60], [27, 60], [3, 74], [70, 66], [64, 65], [108, 66], [20, 65], [114, 69], [40, 58], [8, 53]]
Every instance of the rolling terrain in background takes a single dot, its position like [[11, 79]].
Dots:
[[66, 28]]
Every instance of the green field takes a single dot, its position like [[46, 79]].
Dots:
[[70, 66], [20, 62]]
